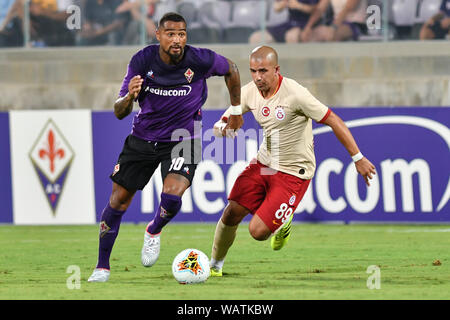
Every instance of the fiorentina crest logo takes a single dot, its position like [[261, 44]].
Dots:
[[51, 156], [189, 74]]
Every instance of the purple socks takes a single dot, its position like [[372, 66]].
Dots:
[[109, 229], [110, 224], [169, 207]]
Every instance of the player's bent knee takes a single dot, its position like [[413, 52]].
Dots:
[[258, 230], [175, 184], [259, 234], [233, 213]]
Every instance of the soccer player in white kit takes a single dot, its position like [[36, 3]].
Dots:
[[272, 185]]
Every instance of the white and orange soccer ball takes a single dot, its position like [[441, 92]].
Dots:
[[191, 266]]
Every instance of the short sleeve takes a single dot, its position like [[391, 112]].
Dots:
[[134, 69], [219, 66], [311, 106]]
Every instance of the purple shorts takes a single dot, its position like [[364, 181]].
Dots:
[[357, 29], [279, 31]]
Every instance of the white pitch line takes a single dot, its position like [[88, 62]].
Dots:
[[419, 230]]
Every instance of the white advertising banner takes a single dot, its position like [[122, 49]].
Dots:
[[52, 167]]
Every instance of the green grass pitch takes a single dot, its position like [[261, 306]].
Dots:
[[321, 261]]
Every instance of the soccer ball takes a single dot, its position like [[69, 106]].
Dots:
[[190, 266]]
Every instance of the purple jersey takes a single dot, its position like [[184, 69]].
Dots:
[[172, 95]]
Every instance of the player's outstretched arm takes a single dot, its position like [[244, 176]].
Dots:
[[363, 165], [233, 82], [124, 105]]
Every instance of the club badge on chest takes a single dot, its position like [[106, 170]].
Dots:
[[265, 111], [189, 74], [280, 114]]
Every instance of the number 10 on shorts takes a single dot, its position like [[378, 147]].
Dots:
[[177, 163], [284, 212]]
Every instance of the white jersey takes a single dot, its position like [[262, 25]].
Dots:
[[286, 120]]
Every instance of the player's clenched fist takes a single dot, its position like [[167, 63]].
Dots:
[[234, 123], [222, 127], [134, 87]]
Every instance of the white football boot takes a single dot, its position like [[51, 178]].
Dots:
[[150, 250], [99, 275]]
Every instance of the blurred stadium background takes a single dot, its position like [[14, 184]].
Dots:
[[51, 71], [387, 66], [392, 86]]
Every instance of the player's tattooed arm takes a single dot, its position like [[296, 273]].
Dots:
[[124, 105], [233, 82]]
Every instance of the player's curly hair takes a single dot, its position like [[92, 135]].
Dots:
[[171, 16]]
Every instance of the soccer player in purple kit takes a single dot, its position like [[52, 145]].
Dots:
[[169, 82]]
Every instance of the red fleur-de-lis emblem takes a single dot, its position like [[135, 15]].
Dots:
[[51, 151], [51, 156], [189, 74]]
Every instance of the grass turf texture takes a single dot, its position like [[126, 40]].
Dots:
[[319, 262]]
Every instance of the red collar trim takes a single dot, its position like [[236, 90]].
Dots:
[[280, 79]]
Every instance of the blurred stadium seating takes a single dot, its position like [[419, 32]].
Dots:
[[369, 73], [243, 21], [196, 31], [214, 15], [162, 7], [275, 18], [406, 17], [232, 21]]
